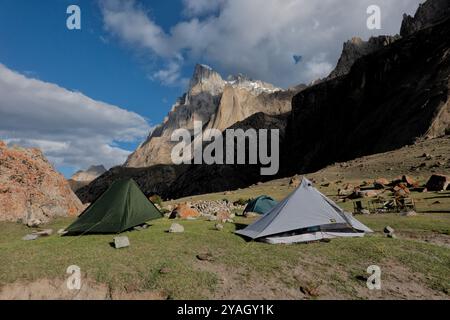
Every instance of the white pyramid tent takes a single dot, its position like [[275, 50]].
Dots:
[[305, 215]]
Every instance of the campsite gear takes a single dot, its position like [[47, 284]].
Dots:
[[305, 215], [261, 205], [122, 207], [121, 242]]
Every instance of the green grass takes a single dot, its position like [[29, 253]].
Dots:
[[137, 268]]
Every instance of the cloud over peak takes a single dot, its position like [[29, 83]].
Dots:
[[254, 37]]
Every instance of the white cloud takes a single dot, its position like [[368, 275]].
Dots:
[[201, 7], [256, 37], [72, 129]]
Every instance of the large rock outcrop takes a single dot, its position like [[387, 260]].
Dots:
[[89, 174], [217, 103], [389, 99], [83, 177], [30, 189], [428, 14], [357, 48]]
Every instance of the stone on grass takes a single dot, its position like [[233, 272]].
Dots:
[[410, 213], [44, 233], [121, 242], [389, 229], [205, 257], [176, 228], [219, 227], [29, 237], [34, 223]]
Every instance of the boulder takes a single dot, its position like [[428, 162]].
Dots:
[[31, 191], [121, 242], [176, 228], [183, 211], [410, 182], [438, 182], [381, 183], [29, 237], [388, 229], [219, 227]]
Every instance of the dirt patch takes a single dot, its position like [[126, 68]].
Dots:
[[427, 237], [56, 289], [239, 284], [399, 282]]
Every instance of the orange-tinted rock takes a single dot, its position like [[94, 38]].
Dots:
[[410, 182], [183, 211], [30, 188]]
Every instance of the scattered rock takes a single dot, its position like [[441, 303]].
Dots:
[[205, 257], [34, 223], [164, 270], [223, 216], [365, 211], [347, 190], [381, 183], [29, 237], [219, 227], [44, 233], [121, 242], [141, 227], [388, 229], [251, 214], [176, 228], [409, 214]]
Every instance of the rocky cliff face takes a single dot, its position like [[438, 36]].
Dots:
[[83, 178], [429, 13], [217, 103], [389, 99], [90, 174], [31, 190], [174, 181], [357, 48]]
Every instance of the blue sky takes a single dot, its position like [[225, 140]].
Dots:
[[132, 59]]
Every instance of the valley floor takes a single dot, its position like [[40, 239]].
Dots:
[[159, 265]]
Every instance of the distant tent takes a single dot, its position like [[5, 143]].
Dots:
[[305, 215], [260, 205], [122, 207]]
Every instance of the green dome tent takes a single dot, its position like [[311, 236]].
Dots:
[[122, 207], [261, 205]]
